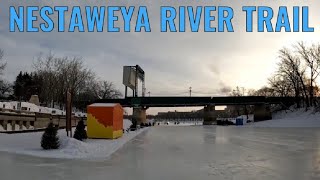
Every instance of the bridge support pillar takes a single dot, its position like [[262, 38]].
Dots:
[[139, 115], [262, 112], [209, 115]]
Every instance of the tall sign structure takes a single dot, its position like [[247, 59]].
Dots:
[[131, 76]]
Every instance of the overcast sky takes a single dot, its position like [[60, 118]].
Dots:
[[208, 62]]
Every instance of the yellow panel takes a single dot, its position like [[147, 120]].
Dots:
[[97, 130], [117, 134]]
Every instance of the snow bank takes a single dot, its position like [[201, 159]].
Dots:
[[297, 118], [126, 124], [9, 127], [16, 127], [103, 105], [29, 107], [9, 105], [29, 144], [1, 128]]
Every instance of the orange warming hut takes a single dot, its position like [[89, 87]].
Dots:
[[105, 121]]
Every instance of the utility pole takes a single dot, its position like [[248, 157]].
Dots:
[[190, 89], [136, 84]]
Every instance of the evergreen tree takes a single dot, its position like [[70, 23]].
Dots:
[[18, 86], [80, 132], [27, 85], [50, 139]]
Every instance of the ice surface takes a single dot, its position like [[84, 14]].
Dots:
[[177, 153], [187, 153]]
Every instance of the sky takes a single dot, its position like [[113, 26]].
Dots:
[[210, 63]]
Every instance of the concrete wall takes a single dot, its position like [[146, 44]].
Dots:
[[35, 120], [139, 114]]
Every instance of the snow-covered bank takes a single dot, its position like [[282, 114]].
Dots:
[[29, 144], [295, 118], [30, 107]]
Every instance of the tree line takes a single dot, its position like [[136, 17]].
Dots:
[[296, 75], [52, 76]]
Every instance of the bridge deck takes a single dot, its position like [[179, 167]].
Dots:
[[197, 101]]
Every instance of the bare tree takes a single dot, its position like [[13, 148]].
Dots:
[[251, 92], [74, 74], [311, 56], [5, 88], [2, 63], [290, 68], [46, 68], [281, 86], [60, 74], [265, 91], [106, 90]]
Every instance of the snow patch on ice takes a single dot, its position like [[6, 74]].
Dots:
[[181, 123], [29, 144]]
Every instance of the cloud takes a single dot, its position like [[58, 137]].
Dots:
[[225, 90]]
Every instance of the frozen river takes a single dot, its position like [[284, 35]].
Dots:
[[188, 153]]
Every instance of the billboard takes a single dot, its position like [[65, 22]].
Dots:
[[129, 77]]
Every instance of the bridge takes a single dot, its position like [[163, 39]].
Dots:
[[132, 75], [141, 104], [172, 101]]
